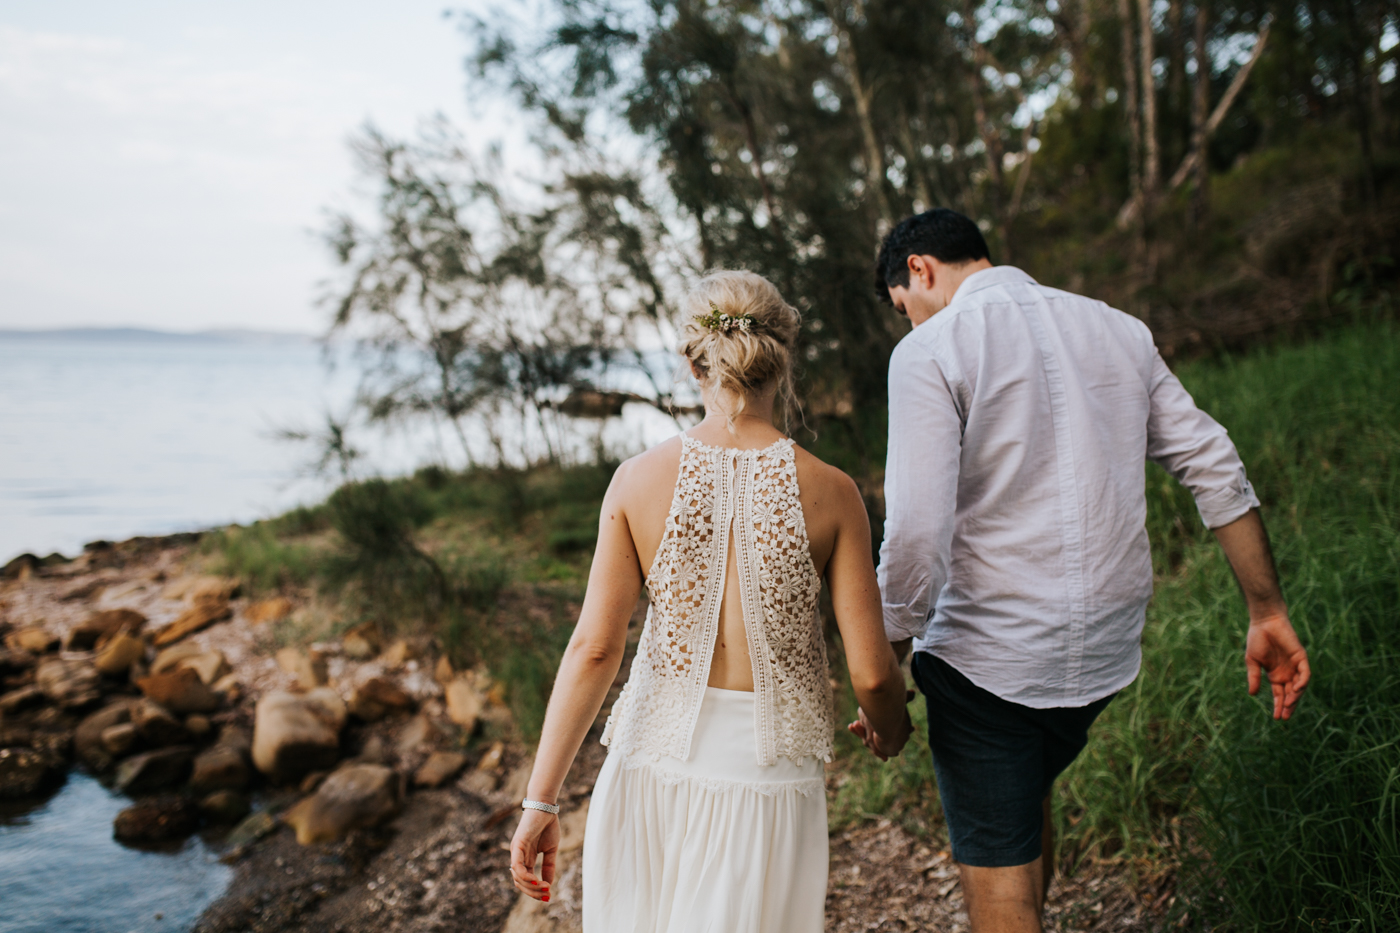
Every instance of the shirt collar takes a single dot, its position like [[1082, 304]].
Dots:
[[990, 278]]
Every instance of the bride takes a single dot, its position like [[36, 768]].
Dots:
[[710, 812]]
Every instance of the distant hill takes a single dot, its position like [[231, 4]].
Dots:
[[144, 335]]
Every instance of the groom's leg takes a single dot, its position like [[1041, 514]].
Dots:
[[1003, 900], [996, 762], [1047, 852]]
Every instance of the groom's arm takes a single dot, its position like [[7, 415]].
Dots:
[[921, 491], [1198, 452]]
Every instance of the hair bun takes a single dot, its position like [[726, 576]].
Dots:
[[740, 335]]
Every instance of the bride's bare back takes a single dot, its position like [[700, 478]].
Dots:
[[826, 494]]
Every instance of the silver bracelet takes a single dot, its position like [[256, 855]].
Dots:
[[539, 805]]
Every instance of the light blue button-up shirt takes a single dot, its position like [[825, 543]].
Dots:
[[1015, 542]]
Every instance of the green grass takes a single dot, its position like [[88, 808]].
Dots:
[[492, 562], [1275, 826]]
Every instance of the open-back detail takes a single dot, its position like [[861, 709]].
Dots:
[[750, 496]]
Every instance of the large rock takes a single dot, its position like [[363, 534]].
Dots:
[[120, 739], [69, 683], [209, 665], [443, 672], [201, 588], [24, 771], [225, 806], [157, 726], [362, 642], [33, 639], [201, 615], [253, 828], [170, 658], [377, 697], [156, 821], [464, 703], [199, 726], [152, 771], [268, 610], [398, 654], [236, 737], [120, 652], [14, 660], [229, 687], [22, 698], [439, 768], [355, 797], [21, 567], [295, 734], [104, 625], [180, 691], [418, 734], [220, 767], [309, 670], [87, 740]]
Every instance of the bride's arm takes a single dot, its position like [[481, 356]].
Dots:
[[855, 598], [588, 668]]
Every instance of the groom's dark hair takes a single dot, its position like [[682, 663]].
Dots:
[[943, 234]]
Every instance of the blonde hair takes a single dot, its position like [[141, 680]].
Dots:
[[748, 359]]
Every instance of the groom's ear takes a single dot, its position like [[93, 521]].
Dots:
[[921, 270]]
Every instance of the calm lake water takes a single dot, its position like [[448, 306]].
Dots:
[[61, 871], [107, 436]]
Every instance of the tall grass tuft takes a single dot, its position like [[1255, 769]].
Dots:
[[260, 557]]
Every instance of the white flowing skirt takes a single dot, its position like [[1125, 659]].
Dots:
[[715, 844]]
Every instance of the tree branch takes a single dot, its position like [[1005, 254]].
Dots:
[[1129, 211]]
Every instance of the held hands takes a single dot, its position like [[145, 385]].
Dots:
[[538, 833], [884, 747], [1273, 647]]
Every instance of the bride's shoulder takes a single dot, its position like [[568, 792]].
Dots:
[[820, 478], [656, 466]]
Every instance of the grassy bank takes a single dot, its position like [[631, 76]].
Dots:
[[490, 563], [1264, 825]]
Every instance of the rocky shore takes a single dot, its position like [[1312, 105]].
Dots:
[[356, 784]]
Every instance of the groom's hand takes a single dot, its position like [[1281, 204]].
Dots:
[[1272, 650]]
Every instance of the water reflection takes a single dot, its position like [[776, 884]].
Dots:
[[61, 871]]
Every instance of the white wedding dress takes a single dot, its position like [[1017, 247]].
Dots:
[[709, 815]]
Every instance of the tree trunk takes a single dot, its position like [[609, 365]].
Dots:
[[1200, 106], [1151, 156], [863, 93], [1130, 104], [1177, 139]]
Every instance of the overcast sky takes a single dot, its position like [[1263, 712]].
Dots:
[[166, 164]]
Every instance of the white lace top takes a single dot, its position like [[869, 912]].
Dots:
[[753, 495]]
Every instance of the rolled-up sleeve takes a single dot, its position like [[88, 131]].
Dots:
[[921, 490], [1196, 450]]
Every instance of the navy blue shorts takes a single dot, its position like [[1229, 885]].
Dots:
[[995, 761]]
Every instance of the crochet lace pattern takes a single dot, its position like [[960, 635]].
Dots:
[[754, 495]]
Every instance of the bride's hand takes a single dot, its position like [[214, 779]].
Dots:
[[538, 833], [884, 747]]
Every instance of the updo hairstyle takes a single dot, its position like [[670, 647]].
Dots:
[[743, 360]]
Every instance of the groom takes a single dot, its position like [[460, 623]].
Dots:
[[1015, 556]]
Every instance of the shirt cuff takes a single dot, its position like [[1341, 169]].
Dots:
[[901, 622], [1223, 506]]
